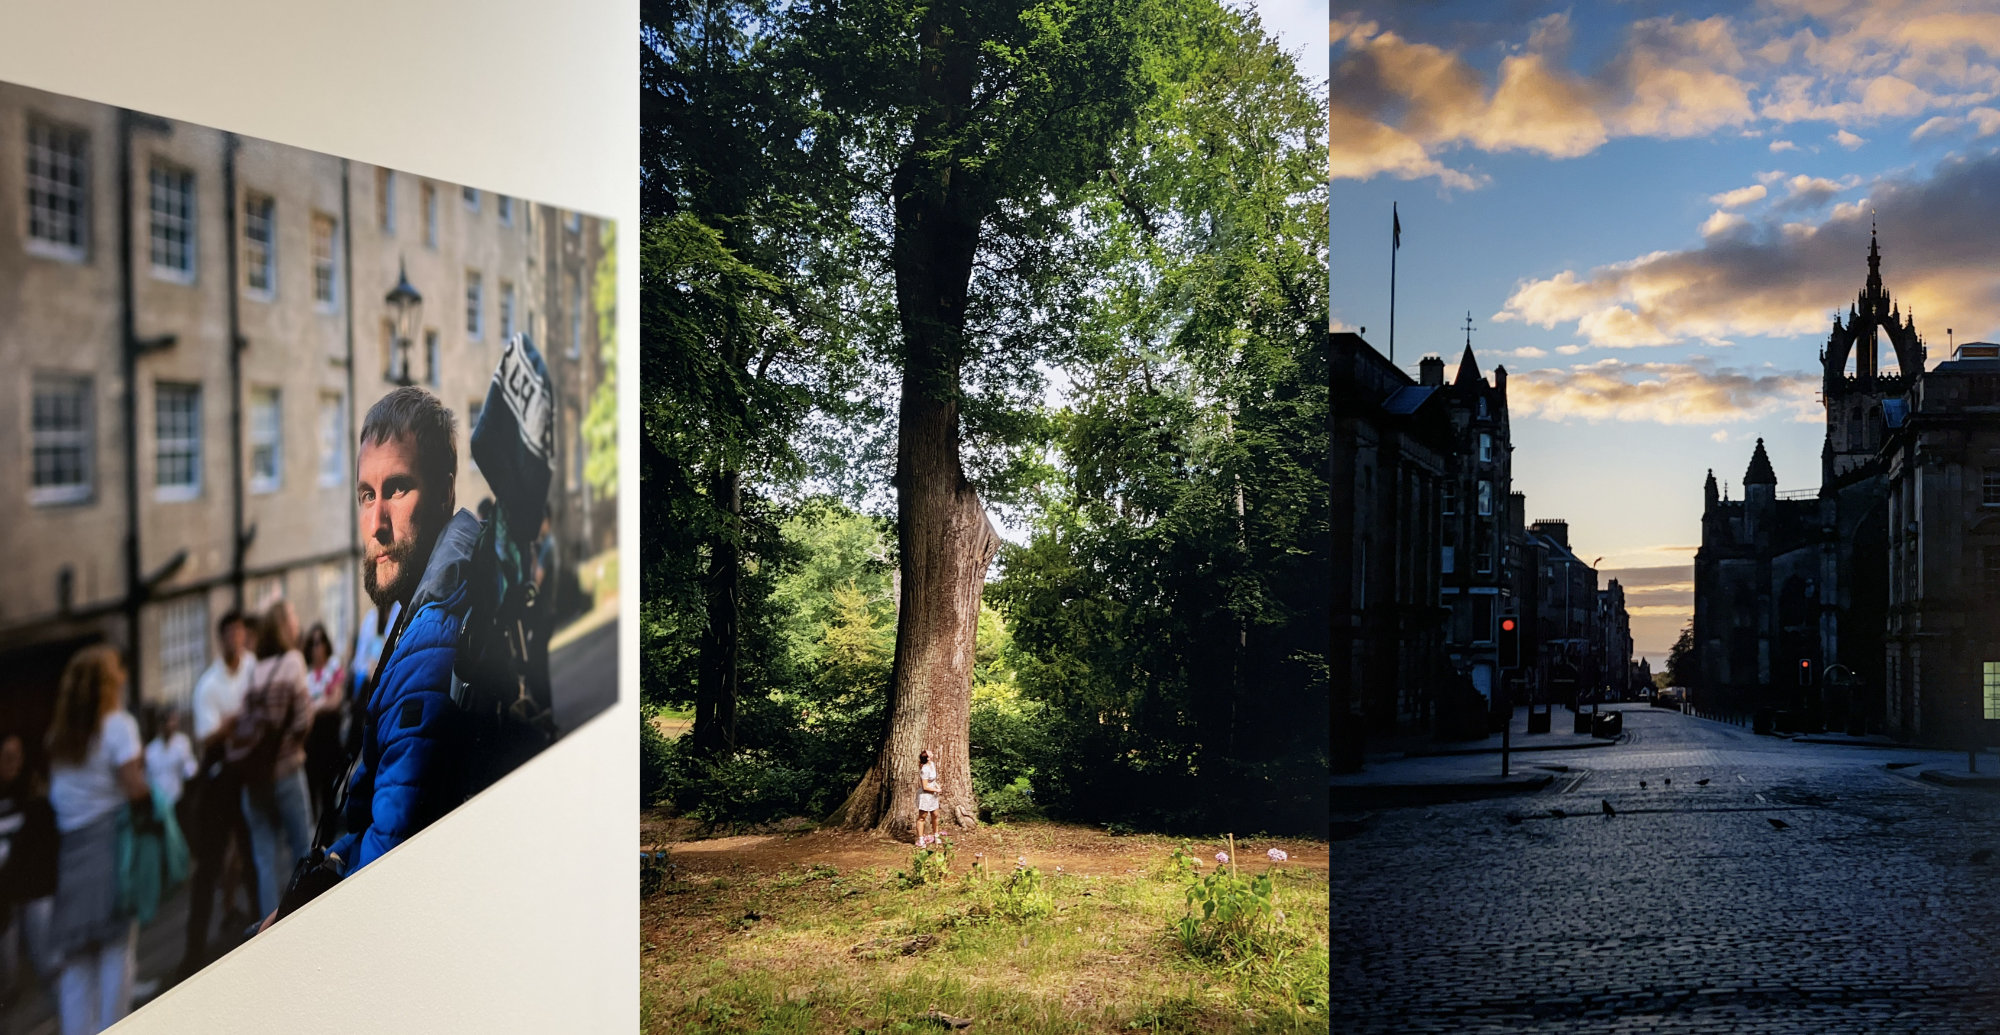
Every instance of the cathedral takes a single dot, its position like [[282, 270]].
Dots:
[[1862, 605]]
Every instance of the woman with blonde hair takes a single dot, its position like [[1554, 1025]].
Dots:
[[95, 769], [267, 749]]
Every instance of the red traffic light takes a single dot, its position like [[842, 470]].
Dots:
[[1506, 625], [1803, 663]]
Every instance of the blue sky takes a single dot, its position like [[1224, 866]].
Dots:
[[1652, 212]]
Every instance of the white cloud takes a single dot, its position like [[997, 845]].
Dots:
[[1721, 223], [1695, 392], [1783, 145], [1848, 140], [1739, 197]]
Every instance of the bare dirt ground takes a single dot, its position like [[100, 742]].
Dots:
[[1077, 849]]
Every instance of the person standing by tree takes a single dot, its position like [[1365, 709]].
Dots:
[[927, 799], [95, 770]]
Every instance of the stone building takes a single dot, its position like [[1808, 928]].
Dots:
[[1614, 641], [1566, 646], [1756, 589], [1792, 590], [1475, 550], [192, 324], [1392, 459], [1942, 644]]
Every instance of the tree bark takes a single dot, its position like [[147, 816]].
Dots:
[[945, 539], [714, 729]]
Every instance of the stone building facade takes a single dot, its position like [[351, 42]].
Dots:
[[1942, 643], [1475, 553], [1431, 551], [192, 325], [1391, 461]]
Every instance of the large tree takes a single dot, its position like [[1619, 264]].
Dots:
[[746, 280], [987, 122], [1174, 597]]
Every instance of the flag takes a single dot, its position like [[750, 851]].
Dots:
[[1396, 228]]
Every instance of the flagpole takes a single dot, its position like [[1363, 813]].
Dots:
[[1395, 244]]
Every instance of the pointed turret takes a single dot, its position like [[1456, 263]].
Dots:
[[1468, 370], [1874, 264], [1710, 494], [1760, 472]]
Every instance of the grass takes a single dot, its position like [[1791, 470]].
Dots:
[[820, 949]]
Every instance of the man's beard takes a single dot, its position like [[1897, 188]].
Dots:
[[407, 574]]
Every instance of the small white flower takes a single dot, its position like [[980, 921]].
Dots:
[[1277, 855], [1020, 860], [1222, 857]]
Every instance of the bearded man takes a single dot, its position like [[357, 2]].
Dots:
[[418, 544]]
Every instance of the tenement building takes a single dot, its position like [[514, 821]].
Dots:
[[192, 325], [1392, 460], [1431, 552], [1477, 495]]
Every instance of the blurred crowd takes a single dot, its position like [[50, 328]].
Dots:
[[111, 810]]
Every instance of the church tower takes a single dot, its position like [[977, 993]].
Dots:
[[1854, 422]]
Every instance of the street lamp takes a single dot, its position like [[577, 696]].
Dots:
[[406, 309]]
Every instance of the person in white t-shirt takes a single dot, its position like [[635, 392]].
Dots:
[[170, 760], [95, 769], [211, 815], [927, 800], [219, 691]]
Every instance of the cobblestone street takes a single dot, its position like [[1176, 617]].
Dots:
[[1689, 910]]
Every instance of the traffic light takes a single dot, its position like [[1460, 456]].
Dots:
[[1510, 642], [1805, 672]]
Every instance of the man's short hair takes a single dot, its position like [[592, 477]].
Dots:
[[229, 618], [411, 411]]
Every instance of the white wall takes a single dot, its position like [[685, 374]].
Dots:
[[519, 912]]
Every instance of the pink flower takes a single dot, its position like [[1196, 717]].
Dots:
[[1277, 855], [1222, 857]]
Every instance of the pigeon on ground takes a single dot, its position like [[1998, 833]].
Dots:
[[1670, 781], [1982, 855], [1608, 810], [1776, 823], [1703, 782], [1642, 785]]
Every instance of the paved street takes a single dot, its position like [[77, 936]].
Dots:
[[1688, 911], [583, 676]]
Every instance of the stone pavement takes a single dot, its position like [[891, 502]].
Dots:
[[1688, 911]]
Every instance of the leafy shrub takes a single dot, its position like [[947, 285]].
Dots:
[[654, 751], [1024, 896], [931, 866], [1014, 801], [656, 871], [1229, 918], [742, 789]]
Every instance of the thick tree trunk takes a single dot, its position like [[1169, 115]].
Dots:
[[945, 539], [714, 729]]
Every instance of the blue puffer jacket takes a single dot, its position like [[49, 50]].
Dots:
[[411, 766]]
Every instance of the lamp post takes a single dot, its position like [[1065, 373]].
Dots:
[[406, 308]]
